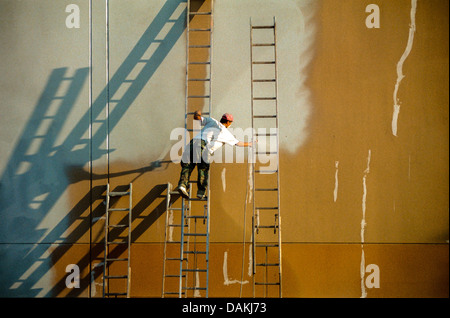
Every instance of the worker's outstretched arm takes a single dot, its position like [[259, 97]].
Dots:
[[244, 144]]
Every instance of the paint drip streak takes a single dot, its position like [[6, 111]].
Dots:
[[400, 76], [363, 226]]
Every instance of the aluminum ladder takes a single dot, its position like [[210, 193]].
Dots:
[[174, 280], [199, 54], [186, 246], [266, 220], [187, 223], [115, 266]]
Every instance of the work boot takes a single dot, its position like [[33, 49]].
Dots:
[[182, 191], [201, 194]]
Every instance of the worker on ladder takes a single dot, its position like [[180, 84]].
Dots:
[[212, 136]]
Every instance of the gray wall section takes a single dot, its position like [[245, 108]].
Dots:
[[51, 136]]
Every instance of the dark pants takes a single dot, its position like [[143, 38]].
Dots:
[[193, 156]]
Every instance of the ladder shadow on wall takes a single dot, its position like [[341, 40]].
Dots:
[[41, 169]]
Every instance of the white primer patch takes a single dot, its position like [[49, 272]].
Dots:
[[227, 281], [224, 181], [336, 181]]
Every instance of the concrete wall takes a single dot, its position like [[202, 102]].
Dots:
[[354, 191]]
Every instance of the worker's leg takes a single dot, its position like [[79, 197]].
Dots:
[[203, 172], [186, 171], [187, 166]]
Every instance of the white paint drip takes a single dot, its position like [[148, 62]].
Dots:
[[336, 182], [362, 273], [250, 183], [224, 182], [197, 285], [250, 260], [93, 283], [227, 281], [257, 218], [400, 76], [171, 227], [363, 221], [363, 226]]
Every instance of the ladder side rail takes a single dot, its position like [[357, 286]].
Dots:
[[169, 189], [105, 262], [180, 283], [207, 241], [186, 105], [208, 194], [253, 160], [130, 206], [278, 157], [211, 59]]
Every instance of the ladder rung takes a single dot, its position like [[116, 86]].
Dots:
[[194, 288], [265, 116], [199, 79], [266, 189], [117, 276], [116, 294], [267, 245], [267, 264], [264, 80], [195, 234], [267, 208], [257, 283], [197, 199], [266, 134], [199, 63], [194, 252], [175, 259], [177, 225], [195, 270], [116, 259], [200, 13], [264, 62], [117, 242], [199, 96], [196, 217], [199, 46], [199, 29], [173, 276], [116, 194], [266, 226], [266, 153], [119, 209], [266, 171], [264, 44], [264, 98], [118, 225], [263, 27], [192, 113]]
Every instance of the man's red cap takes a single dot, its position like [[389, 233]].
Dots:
[[228, 117]]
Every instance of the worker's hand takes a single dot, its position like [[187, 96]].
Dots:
[[197, 115]]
